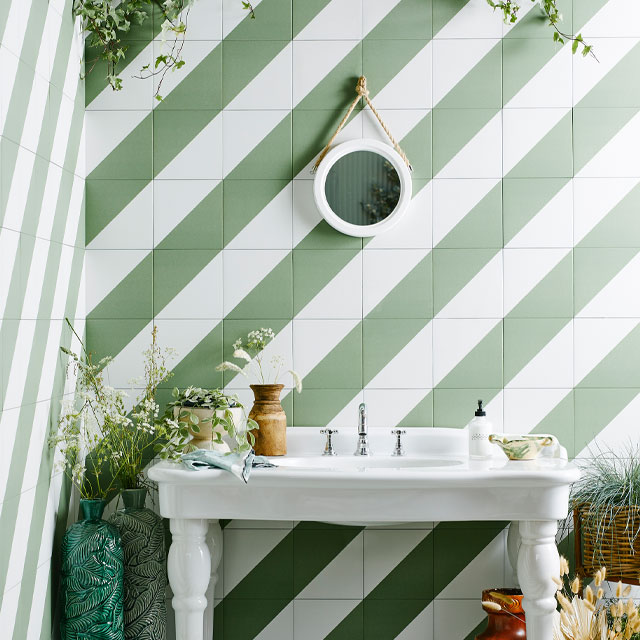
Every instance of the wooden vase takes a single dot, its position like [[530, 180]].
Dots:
[[508, 624], [271, 437]]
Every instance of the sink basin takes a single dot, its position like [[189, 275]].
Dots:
[[358, 463]]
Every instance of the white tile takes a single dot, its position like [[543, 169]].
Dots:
[[453, 199], [128, 365], [269, 89], [9, 266], [388, 407], [315, 619], [481, 157], [607, 23], [18, 550], [481, 297], [550, 87], [341, 297], [9, 606], [173, 201], [243, 131], [374, 12], [305, 212], [595, 338], [552, 226], [474, 20], [272, 228], [313, 60], [201, 159], [454, 59], [455, 619], [204, 21], [594, 198], [523, 129], [414, 230], [244, 549], [453, 339], [342, 578], [280, 628], [35, 115], [524, 269], [346, 415], [411, 368], [313, 340], [385, 550], [339, 20], [399, 121], [524, 409], [233, 13], [421, 627]]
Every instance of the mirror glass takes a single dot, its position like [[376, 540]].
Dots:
[[362, 188]]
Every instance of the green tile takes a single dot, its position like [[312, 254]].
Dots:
[[453, 269], [444, 11], [202, 226], [454, 408], [350, 627], [109, 337], [200, 86], [383, 340], [481, 87], [272, 22], [524, 198], [418, 148], [481, 227], [313, 550], [552, 297], [340, 368], [173, 131], [551, 157], [560, 423], [272, 297], [536, 25], [313, 270], [524, 338], [584, 10], [481, 367], [594, 268], [412, 297], [173, 270], [386, 620], [316, 407], [595, 409], [105, 199], [421, 415], [244, 200], [243, 60], [324, 236], [245, 619], [452, 130], [304, 11], [409, 19], [16, 109], [522, 59], [594, 128], [618, 369], [270, 159]]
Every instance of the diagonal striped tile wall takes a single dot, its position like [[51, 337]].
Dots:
[[509, 280], [41, 282]]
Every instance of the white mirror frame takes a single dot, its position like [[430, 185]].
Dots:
[[320, 196]]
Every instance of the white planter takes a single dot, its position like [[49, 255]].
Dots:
[[204, 438]]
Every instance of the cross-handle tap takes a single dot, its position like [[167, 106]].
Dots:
[[363, 439], [328, 449], [398, 449]]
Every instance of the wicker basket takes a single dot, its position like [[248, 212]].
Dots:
[[615, 550]]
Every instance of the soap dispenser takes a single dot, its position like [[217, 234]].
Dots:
[[479, 431]]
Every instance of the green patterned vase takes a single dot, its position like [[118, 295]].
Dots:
[[92, 578], [145, 572]]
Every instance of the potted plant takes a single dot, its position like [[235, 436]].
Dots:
[[606, 512], [209, 414], [267, 412], [92, 569]]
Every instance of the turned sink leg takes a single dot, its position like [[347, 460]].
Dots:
[[214, 542], [189, 568], [538, 562]]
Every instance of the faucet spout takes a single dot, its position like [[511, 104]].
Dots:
[[362, 449]]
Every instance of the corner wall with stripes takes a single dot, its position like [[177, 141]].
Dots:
[[513, 278], [41, 282]]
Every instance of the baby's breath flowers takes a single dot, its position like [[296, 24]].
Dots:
[[591, 616], [251, 354]]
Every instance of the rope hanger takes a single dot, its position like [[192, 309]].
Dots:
[[363, 92]]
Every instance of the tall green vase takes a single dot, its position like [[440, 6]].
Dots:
[[145, 571], [92, 578]]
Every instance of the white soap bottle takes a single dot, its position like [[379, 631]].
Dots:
[[479, 431]]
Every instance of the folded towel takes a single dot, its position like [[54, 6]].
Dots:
[[240, 464]]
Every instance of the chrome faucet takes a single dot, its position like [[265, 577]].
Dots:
[[363, 438]]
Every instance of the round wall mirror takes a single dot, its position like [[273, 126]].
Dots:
[[362, 187]]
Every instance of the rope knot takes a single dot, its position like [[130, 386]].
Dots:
[[361, 87]]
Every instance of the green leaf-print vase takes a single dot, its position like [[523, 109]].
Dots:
[[145, 572], [92, 578]]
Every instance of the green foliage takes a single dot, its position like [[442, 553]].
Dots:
[[510, 9]]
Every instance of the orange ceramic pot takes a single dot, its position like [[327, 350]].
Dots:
[[509, 623]]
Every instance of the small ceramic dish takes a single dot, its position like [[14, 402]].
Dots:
[[522, 447]]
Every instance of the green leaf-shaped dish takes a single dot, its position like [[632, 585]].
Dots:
[[522, 447]]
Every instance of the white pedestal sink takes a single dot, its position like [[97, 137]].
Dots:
[[435, 481]]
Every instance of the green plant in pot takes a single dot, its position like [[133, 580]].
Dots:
[[209, 415]]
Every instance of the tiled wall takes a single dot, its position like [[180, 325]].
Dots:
[[511, 279], [41, 269]]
